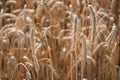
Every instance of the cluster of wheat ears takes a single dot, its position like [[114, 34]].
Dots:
[[59, 39]]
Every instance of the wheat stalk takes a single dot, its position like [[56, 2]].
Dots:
[[57, 4], [23, 65]]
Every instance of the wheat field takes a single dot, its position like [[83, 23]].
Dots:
[[59, 39]]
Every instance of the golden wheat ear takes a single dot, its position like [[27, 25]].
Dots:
[[33, 47], [92, 12]]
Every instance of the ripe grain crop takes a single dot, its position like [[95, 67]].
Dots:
[[59, 39]]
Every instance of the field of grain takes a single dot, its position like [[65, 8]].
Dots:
[[59, 39]]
